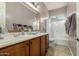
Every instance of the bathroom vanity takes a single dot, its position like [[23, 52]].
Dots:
[[26, 45], [17, 20]]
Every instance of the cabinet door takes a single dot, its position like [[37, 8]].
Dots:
[[24, 48], [21, 49], [35, 47], [27, 49], [47, 42], [11, 51], [43, 46]]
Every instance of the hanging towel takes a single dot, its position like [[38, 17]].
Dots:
[[67, 25], [70, 25], [72, 29]]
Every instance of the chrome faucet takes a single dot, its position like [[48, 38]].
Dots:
[[21, 31]]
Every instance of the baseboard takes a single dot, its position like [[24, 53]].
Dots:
[[61, 42], [71, 51]]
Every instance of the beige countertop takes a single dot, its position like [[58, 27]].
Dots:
[[10, 40]]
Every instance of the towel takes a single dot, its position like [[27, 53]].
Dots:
[[70, 25], [72, 29], [67, 25]]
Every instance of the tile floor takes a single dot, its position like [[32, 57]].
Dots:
[[58, 50]]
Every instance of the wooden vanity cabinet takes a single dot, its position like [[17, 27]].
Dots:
[[34, 47]]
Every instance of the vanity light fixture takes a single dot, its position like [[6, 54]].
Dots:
[[30, 6]]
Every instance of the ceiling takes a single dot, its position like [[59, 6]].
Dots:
[[54, 5]]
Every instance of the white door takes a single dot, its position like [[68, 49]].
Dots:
[[77, 28], [77, 48]]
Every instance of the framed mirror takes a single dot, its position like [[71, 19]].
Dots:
[[17, 15]]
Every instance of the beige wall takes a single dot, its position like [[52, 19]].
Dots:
[[59, 11], [43, 10], [17, 13], [71, 7]]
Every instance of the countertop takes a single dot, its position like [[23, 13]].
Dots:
[[10, 40]]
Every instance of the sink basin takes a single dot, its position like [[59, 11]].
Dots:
[[31, 33], [13, 35]]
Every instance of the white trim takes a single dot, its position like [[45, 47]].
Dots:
[[71, 51]]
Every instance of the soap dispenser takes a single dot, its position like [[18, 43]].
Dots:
[[1, 33]]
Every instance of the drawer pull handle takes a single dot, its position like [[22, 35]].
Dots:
[[30, 42], [27, 44]]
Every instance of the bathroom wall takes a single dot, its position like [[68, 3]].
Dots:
[[2, 15], [71, 8], [17, 13], [43, 10], [58, 11]]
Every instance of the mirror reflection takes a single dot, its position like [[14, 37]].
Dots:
[[19, 17]]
